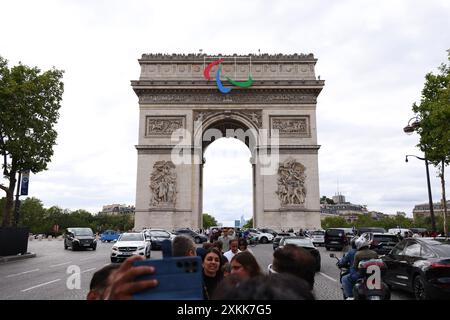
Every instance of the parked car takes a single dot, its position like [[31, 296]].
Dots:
[[381, 243], [305, 243], [157, 236], [261, 237], [109, 235], [79, 238], [403, 232], [131, 243], [281, 235], [421, 266], [267, 230], [418, 230], [337, 238], [198, 238], [318, 237]]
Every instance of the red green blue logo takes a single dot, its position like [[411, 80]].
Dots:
[[220, 86]]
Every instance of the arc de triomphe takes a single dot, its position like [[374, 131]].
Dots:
[[271, 105]]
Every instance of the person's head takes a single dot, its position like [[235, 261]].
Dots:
[[263, 287], [234, 245], [230, 232], [207, 245], [183, 246], [295, 260], [100, 280], [218, 245], [243, 244], [362, 243], [245, 265], [211, 262], [226, 269]]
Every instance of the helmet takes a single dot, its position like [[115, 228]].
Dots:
[[361, 242]]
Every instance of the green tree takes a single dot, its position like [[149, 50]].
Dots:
[[29, 109], [433, 126], [326, 200], [335, 222], [249, 224], [208, 221], [33, 215]]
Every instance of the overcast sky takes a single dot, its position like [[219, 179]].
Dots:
[[373, 56]]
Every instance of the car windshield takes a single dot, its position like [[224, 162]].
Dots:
[[132, 237], [299, 242], [159, 234], [82, 232], [335, 232]]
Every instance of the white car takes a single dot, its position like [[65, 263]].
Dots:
[[318, 237], [131, 243], [262, 237]]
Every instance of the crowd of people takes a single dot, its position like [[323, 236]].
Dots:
[[229, 270]]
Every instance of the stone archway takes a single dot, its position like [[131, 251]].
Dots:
[[276, 117]]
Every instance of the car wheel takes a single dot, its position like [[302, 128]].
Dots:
[[264, 240], [113, 260], [419, 289], [65, 246], [327, 248], [94, 248], [197, 240]]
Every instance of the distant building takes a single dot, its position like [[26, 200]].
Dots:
[[377, 215], [423, 210], [115, 209], [346, 210]]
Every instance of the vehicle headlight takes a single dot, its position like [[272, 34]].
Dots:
[[114, 248], [141, 248], [76, 240]]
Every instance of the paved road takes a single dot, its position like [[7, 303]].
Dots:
[[46, 276]]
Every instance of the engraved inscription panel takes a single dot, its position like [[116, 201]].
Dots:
[[163, 125], [291, 126]]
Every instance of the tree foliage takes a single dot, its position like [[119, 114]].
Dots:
[[433, 126], [208, 221], [29, 109], [249, 224]]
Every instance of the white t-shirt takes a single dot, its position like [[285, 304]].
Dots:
[[229, 254]]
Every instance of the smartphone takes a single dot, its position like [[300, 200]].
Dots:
[[180, 278]]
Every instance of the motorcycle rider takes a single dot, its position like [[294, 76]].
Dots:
[[362, 253], [347, 260]]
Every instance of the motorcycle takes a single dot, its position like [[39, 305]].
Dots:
[[370, 285]]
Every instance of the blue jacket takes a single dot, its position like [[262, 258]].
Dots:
[[347, 261]]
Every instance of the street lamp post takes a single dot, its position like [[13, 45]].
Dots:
[[409, 129], [430, 199]]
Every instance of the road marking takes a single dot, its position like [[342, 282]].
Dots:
[[88, 270], [40, 285], [328, 277], [90, 258], [61, 264], [18, 274]]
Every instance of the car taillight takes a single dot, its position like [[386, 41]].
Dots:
[[439, 265]]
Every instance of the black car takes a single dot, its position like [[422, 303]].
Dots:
[[157, 236], [281, 235], [305, 243], [79, 238], [381, 243], [337, 238], [198, 238], [421, 266]]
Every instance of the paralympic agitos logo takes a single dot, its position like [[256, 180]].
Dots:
[[220, 86]]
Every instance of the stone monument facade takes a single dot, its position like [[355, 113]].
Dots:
[[271, 106]]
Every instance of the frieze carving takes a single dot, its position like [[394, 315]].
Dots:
[[291, 183], [259, 57], [291, 126], [254, 116], [213, 97], [163, 126], [163, 184]]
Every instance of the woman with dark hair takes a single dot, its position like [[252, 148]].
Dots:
[[243, 245], [212, 274], [245, 265]]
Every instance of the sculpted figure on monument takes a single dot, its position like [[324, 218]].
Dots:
[[163, 183], [291, 183]]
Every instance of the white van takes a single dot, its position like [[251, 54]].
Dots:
[[399, 230]]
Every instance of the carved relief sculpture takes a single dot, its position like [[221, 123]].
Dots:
[[163, 184], [291, 126], [291, 183], [163, 126]]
